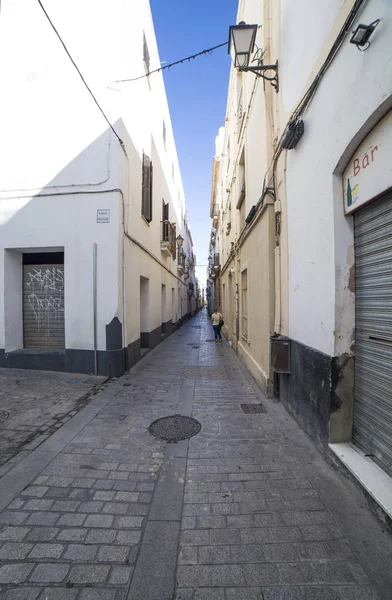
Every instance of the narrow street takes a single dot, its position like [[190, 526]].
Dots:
[[244, 510]]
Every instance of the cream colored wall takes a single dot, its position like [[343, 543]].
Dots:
[[254, 252]]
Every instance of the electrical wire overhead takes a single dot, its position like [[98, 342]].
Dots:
[[177, 62], [80, 74]]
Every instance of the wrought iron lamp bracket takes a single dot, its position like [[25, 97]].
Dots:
[[260, 71]]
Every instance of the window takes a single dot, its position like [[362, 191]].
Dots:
[[147, 188], [164, 133], [165, 222], [146, 54], [244, 289]]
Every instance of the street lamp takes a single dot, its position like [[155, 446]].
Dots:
[[241, 45], [180, 241]]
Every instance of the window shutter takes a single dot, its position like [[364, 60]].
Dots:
[[147, 188]]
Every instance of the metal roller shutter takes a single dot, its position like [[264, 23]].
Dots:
[[43, 306], [373, 363]]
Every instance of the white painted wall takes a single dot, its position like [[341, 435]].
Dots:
[[55, 142], [305, 25], [68, 222], [354, 94]]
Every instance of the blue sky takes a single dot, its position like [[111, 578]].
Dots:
[[197, 93]]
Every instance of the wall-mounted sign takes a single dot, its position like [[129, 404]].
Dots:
[[369, 172], [103, 215]]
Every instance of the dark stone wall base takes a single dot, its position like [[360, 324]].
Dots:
[[111, 363], [306, 392]]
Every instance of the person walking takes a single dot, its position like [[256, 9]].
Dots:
[[217, 323]]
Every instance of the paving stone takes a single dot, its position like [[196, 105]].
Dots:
[[184, 594], [42, 534], [81, 574], [209, 594], [127, 496], [80, 553], [193, 576], [210, 555], [38, 504], [71, 520], [280, 593], [227, 575], [128, 537], [101, 536], [113, 554], [357, 593], [27, 593], [128, 522], [66, 505], [57, 593], [15, 573], [46, 551], [321, 594], [14, 551], [90, 594], [91, 507], [280, 552], [43, 518], [104, 495], [15, 534], [57, 492], [243, 594], [261, 574], [225, 536], [104, 521], [188, 556], [196, 538], [248, 553], [72, 535], [13, 517], [120, 575], [49, 572], [115, 508]]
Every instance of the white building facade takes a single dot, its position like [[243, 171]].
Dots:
[[90, 209], [314, 163]]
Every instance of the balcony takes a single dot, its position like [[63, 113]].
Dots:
[[168, 239], [215, 215], [181, 263], [216, 262]]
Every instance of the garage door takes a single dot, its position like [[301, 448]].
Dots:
[[373, 364], [43, 306]]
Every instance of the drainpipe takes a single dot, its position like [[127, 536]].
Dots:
[[95, 307]]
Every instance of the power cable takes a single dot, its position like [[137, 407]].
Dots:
[[80, 74], [177, 62]]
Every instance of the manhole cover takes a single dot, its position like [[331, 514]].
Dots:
[[3, 416], [175, 428], [250, 409]]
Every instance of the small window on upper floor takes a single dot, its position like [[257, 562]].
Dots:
[[164, 133], [146, 54], [147, 188]]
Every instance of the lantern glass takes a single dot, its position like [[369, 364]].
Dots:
[[241, 43]]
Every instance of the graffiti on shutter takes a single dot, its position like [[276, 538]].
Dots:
[[43, 306]]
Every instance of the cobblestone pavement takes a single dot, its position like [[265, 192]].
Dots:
[[245, 510], [34, 404]]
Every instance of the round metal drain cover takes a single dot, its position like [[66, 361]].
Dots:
[[3, 415], [175, 428]]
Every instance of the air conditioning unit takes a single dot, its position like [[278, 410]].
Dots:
[[280, 354]]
